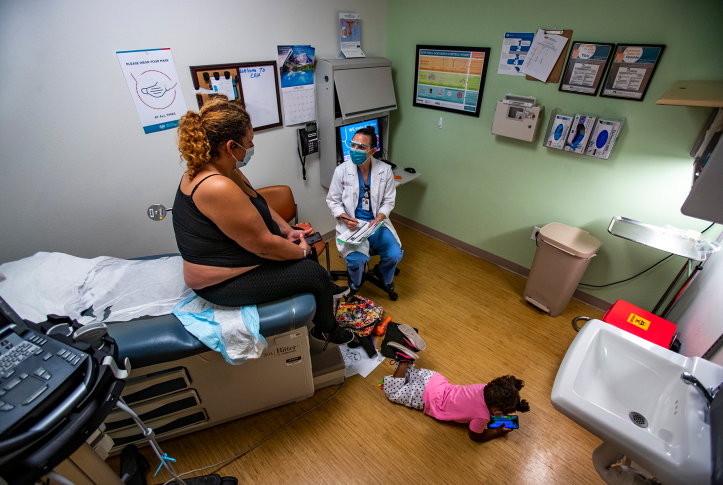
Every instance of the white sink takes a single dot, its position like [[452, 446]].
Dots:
[[608, 373]]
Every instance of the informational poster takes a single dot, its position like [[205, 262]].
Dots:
[[350, 35], [585, 67], [153, 82], [297, 83], [630, 73], [451, 78], [515, 47], [542, 57]]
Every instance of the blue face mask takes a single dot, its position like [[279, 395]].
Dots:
[[247, 158], [358, 157]]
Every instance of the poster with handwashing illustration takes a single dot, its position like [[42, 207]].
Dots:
[[297, 83], [153, 82]]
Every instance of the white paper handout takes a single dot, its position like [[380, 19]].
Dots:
[[153, 82], [361, 234], [356, 361], [515, 47], [350, 35], [224, 86], [545, 50]]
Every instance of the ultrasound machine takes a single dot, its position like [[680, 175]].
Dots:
[[58, 382]]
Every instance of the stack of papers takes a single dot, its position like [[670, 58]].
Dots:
[[360, 235]]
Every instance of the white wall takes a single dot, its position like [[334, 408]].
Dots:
[[77, 171]]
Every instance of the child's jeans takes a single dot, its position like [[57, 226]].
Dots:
[[408, 390]]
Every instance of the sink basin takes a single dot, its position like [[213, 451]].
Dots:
[[608, 373]]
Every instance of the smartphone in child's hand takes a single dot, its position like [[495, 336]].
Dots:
[[509, 421]]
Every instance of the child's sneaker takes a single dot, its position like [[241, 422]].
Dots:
[[394, 334], [411, 338], [403, 354]]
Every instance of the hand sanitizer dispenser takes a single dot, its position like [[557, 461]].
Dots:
[[517, 117]]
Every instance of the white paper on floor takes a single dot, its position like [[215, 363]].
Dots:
[[357, 361]]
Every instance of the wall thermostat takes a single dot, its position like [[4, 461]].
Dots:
[[517, 117]]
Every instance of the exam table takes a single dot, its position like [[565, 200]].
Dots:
[[177, 385]]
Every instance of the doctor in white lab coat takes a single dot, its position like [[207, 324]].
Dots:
[[362, 191]]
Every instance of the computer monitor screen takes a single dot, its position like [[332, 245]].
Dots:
[[346, 133]]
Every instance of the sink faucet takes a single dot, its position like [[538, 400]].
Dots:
[[708, 392]]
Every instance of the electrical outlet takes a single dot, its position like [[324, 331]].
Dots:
[[535, 232]]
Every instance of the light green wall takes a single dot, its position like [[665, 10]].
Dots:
[[490, 191]]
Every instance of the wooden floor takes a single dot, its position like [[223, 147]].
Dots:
[[477, 327]]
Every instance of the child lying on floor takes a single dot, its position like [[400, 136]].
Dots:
[[430, 392]]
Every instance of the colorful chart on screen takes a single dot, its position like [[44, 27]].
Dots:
[[450, 78]]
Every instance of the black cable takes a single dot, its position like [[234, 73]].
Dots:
[[644, 271], [228, 461], [303, 163], [628, 279]]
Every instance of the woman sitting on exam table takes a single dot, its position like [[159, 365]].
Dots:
[[363, 192], [237, 250]]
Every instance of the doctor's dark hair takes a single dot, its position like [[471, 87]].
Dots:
[[503, 393], [368, 131], [201, 135]]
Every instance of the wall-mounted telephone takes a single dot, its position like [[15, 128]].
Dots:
[[308, 143], [307, 139]]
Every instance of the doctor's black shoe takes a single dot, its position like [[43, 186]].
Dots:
[[389, 288], [339, 336]]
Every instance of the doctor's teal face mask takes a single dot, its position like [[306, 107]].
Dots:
[[358, 153]]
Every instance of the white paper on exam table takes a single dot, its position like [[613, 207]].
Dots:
[[360, 235], [46, 283], [356, 361], [543, 54]]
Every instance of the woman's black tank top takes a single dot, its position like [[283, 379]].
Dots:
[[200, 240]]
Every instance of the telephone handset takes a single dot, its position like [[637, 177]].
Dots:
[[307, 139], [307, 144]]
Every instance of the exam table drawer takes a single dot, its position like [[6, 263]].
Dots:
[[160, 426], [153, 409], [152, 386]]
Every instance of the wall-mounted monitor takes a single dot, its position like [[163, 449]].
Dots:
[[346, 133]]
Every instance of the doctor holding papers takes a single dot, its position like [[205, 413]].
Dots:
[[361, 196], [364, 232]]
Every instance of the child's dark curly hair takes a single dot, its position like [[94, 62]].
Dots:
[[503, 393]]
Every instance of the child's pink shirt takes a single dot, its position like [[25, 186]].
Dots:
[[463, 404]]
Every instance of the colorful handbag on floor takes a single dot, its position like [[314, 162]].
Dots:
[[358, 314]]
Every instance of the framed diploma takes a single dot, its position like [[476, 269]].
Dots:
[[585, 67], [632, 68]]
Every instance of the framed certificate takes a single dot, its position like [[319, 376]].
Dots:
[[450, 78], [632, 68], [585, 67]]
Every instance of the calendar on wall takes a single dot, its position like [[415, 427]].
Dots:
[[299, 104], [296, 63]]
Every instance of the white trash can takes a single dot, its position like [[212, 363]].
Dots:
[[562, 256]]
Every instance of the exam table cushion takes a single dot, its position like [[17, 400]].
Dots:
[[156, 340]]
